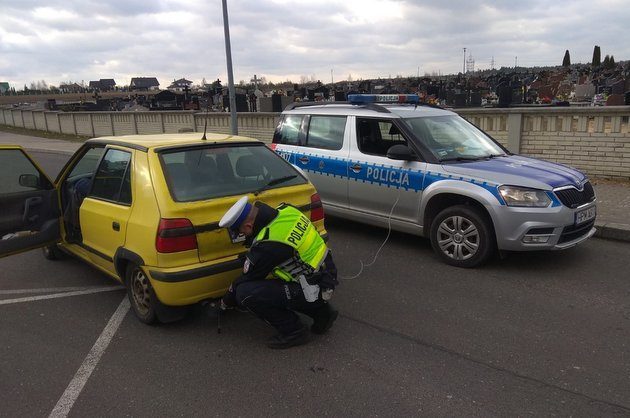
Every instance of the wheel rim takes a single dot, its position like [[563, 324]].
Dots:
[[458, 238], [140, 291]]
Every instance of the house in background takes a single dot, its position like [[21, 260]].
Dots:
[[180, 85], [70, 88], [104, 84], [4, 87], [144, 84]]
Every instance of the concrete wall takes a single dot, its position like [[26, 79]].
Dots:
[[593, 139]]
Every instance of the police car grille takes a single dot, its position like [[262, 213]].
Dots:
[[572, 232], [573, 197]]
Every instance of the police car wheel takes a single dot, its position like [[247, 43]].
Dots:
[[141, 294], [462, 236]]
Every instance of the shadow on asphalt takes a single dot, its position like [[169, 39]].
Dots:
[[534, 261]]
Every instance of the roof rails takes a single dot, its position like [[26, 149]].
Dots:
[[370, 106]]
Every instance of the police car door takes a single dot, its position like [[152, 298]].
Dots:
[[320, 150], [377, 182]]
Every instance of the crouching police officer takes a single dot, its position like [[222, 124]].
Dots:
[[284, 243]]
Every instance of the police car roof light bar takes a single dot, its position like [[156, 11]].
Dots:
[[359, 99]]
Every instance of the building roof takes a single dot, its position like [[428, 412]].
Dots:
[[144, 82], [107, 82], [182, 82]]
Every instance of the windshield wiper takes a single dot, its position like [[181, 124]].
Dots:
[[461, 159], [274, 182]]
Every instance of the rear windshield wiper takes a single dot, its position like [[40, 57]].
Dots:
[[274, 182]]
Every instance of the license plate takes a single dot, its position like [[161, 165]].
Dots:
[[585, 215]]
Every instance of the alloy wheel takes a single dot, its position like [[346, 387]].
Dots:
[[458, 238]]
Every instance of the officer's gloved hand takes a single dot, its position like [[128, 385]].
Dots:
[[228, 301]]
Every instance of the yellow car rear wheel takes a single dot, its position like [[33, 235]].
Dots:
[[141, 294]]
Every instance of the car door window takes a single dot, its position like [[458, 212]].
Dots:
[[18, 174], [290, 130], [87, 163], [376, 136], [112, 180], [326, 132]]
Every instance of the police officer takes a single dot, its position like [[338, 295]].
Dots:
[[282, 243]]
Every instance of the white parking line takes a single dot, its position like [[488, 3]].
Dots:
[[61, 295], [45, 290], [72, 392]]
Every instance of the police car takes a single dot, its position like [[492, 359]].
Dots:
[[390, 160]]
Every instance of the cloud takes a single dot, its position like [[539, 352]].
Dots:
[[75, 40]]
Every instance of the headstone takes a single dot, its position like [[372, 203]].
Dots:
[[475, 99], [340, 96], [460, 100], [615, 100], [450, 97], [276, 103]]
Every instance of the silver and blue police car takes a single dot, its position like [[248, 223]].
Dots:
[[427, 171]]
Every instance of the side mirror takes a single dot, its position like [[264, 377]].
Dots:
[[29, 180], [401, 152]]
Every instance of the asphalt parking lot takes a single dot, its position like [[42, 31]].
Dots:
[[539, 334]]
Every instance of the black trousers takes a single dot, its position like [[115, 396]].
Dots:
[[275, 302]]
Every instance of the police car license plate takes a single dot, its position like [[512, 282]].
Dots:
[[585, 215]]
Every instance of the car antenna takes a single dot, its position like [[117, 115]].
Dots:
[[205, 124]]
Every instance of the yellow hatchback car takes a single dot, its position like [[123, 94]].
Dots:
[[145, 209]]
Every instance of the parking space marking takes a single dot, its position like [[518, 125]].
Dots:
[[72, 392], [46, 290], [61, 295]]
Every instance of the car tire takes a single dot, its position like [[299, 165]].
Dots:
[[141, 295], [52, 252], [462, 236]]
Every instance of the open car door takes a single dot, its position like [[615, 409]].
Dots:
[[29, 205]]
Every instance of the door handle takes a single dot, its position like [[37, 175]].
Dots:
[[28, 204], [115, 226], [356, 168], [304, 160]]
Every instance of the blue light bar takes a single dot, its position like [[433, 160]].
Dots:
[[383, 98]]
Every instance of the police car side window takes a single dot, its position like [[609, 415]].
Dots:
[[376, 136], [326, 132], [290, 131]]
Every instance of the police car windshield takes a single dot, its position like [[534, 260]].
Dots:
[[451, 138], [206, 173]]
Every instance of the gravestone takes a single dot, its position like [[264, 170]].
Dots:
[[475, 99]]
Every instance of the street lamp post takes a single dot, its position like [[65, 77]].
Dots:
[[228, 54]]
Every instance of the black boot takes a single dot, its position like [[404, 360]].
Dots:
[[292, 339], [323, 318]]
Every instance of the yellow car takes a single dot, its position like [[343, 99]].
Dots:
[[145, 209]]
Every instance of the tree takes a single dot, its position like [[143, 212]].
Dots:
[[612, 61], [566, 61], [606, 62], [597, 56]]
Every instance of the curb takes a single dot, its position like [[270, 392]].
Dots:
[[613, 231]]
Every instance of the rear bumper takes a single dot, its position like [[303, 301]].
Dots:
[[186, 286]]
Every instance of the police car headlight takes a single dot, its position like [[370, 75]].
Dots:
[[524, 197]]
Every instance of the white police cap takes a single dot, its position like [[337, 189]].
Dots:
[[235, 215]]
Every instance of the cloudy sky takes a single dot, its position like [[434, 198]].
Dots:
[[81, 40]]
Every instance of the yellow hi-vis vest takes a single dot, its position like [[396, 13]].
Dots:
[[293, 228]]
